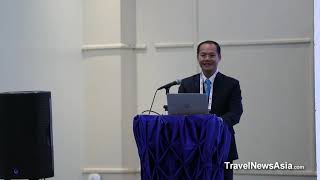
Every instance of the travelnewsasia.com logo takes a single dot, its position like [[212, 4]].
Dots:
[[263, 166]]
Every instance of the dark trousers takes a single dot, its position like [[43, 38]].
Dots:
[[228, 173]]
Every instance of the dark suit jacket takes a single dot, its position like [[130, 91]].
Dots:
[[226, 101]]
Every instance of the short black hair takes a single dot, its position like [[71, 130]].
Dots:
[[209, 42]]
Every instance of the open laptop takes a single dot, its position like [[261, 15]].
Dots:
[[187, 103]]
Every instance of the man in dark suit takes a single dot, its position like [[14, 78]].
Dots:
[[224, 93]]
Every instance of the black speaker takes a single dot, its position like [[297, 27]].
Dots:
[[26, 149]]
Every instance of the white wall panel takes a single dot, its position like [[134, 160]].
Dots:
[[40, 50], [110, 83], [255, 20], [317, 74], [128, 22], [103, 129], [102, 21], [129, 108], [277, 91], [276, 79], [166, 20]]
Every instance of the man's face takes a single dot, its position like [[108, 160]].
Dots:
[[208, 58]]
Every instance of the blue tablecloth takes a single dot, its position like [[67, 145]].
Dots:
[[181, 147]]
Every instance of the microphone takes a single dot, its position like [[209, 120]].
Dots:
[[167, 86], [176, 82]]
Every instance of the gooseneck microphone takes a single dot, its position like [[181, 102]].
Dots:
[[176, 82], [167, 87]]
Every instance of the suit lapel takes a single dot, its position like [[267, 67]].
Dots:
[[196, 84], [216, 88]]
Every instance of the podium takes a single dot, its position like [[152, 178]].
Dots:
[[175, 147]]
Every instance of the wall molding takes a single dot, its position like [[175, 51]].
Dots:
[[163, 45], [173, 45], [114, 46], [267, 42], [238, 43], [102, 170]]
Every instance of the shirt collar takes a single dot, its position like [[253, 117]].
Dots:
[[203, 77]]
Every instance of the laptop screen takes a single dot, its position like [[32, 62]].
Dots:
[[187, 103]]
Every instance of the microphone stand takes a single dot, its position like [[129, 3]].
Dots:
[[167, 90], [166, 106]]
